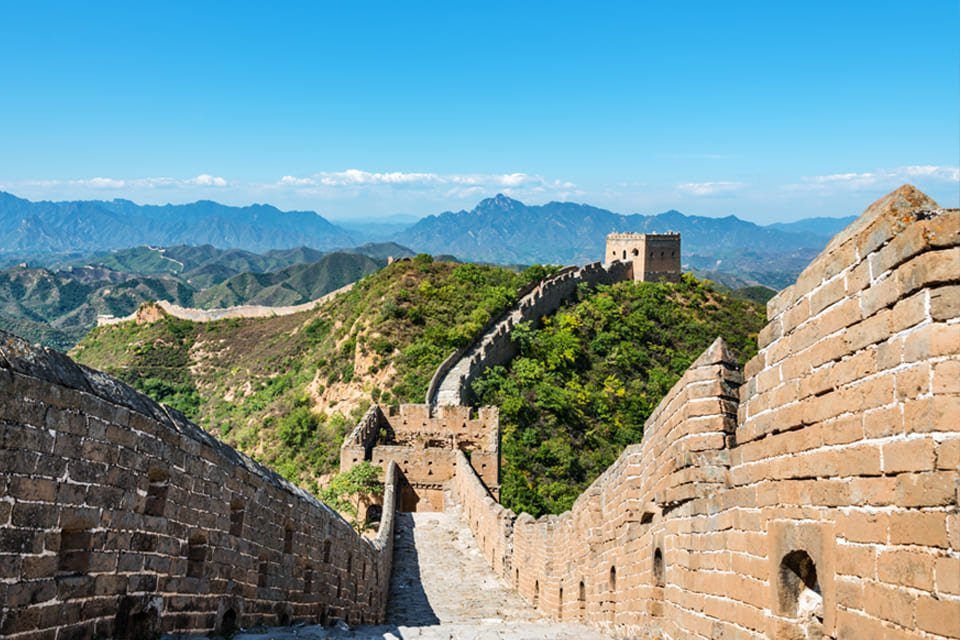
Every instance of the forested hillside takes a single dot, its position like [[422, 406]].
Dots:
[[584, 383], [57, 305], [286, 389]]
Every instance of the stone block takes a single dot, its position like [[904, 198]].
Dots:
[[887, 602], [945, 302], [926, 489], [933, 267], [909, 455], [938, 615], [947, 575]]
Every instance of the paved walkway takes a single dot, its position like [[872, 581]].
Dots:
[[442, 589]]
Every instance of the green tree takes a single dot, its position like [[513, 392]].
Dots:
[[350, 490]]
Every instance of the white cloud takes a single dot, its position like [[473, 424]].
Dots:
[[709, 188], [296, 182], [400, 179], [102, 183], [207, 180], [877, 178], [452, 184]]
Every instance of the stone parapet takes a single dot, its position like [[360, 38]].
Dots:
[[120, 518]]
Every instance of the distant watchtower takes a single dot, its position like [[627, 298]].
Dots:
[[655, 256]]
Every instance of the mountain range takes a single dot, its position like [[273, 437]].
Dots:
[[502, 229], [498, 230], [94, 225], [56, 306]]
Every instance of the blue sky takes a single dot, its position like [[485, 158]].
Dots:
[[767, 110]]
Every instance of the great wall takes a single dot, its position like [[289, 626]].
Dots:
[[149, 313], [813, 495]]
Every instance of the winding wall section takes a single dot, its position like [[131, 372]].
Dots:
[[241, 311], [452, 381]]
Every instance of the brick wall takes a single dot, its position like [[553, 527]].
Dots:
[[814, 496], [451, 382], [423, 441], [119, 518], [212, 315]]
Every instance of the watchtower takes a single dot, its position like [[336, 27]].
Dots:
[[655, 256]]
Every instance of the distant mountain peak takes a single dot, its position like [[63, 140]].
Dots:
[[498, 202]]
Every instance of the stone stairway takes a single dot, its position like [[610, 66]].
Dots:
[[442, 589]]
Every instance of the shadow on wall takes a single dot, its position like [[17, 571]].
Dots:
[[408, 604]]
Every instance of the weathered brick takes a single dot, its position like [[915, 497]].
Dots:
[[862, 526], [909, 455], [903, 567], [947, 572], [940, 616], [889, 603], [945, 302], [926, 489], [929, 268]]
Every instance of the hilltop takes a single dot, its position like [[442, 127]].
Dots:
[[582, 385], [286, 389]]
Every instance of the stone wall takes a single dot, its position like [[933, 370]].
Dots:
[[212, 315], [119, 518], [423, 442], [451, 384], [814, 496]]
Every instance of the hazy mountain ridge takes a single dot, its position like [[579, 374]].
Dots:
[[58, 306], [94, 225], [498, 230], [502, 229]]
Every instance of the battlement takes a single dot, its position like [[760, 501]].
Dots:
[[423, 442], [630, 235], [652, 256]]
